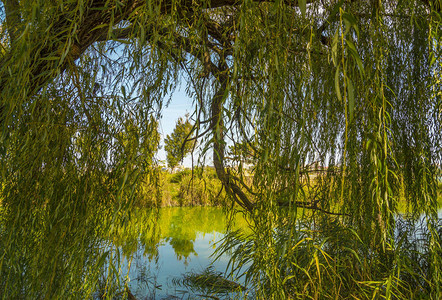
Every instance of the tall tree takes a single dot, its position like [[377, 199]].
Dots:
[[354, 84], [179, 143]]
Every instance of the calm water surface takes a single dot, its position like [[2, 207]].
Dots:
[[158, 249], [182, 241]]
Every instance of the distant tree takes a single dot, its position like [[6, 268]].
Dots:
[[177, 144], [353, 84]]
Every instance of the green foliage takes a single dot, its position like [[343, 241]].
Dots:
[[209, 283], [355, 85], [296, 262], [199, 187], [178, 143]]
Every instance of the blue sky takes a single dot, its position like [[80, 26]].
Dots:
[[178, 107]]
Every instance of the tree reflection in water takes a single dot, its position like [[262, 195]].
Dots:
[[162, 245]]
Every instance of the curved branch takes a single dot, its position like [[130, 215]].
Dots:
[[217, 126]]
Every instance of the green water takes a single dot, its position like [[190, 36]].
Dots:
[[157, 249]]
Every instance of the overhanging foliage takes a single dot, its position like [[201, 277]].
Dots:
[[352, 85]]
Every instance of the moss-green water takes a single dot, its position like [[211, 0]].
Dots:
[[163, 246]]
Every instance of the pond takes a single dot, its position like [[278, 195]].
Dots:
[[156, 256], [158, 250]]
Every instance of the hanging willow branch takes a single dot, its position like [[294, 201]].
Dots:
[[350, 87]]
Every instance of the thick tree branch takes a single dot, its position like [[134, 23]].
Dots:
[[217, 126], [43, 70]]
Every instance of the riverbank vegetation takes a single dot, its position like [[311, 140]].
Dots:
[[201, 187], [351, 87], [197, 187]]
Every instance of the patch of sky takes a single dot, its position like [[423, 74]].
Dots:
[[179, 106]]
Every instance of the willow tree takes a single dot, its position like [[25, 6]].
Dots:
[[354, 85]]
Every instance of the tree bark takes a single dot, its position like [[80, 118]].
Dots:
[[217, 126]]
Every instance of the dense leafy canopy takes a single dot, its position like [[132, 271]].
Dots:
[[353, 85], [179, 143]]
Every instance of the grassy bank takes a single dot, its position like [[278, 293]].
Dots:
[[197, 187]]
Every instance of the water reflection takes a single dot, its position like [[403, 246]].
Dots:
[[158, 247]]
